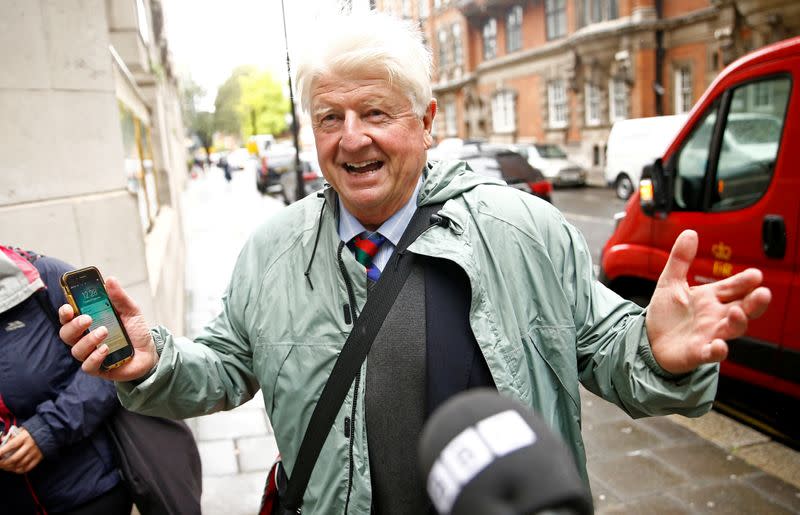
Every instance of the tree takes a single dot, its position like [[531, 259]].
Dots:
[[199, 124], [226, 115], [203, 128], [190, 92], [262, 104]]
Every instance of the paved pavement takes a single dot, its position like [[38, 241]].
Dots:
[[656, 465]]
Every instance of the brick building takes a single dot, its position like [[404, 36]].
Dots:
[[563, 71]]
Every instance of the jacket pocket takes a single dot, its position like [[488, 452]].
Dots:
[[556, 348]]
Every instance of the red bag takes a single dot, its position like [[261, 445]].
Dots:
[[270, 501]]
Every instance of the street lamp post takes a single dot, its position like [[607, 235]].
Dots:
[[301, 190]]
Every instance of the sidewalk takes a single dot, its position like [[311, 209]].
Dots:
[[655, 465]]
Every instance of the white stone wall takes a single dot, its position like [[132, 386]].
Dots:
[[62, 182]]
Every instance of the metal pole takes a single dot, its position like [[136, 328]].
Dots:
[[301, 190]]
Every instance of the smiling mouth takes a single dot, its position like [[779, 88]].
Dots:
[[363, 166]]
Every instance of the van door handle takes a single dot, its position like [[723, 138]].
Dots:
[[773, 233]]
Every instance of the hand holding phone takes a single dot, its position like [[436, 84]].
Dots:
[[91, 342], [12, 432]]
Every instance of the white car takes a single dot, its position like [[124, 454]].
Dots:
[[554, 164], [635, 143]]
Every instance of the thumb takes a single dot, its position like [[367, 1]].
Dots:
[[120, 299], [680, 258]]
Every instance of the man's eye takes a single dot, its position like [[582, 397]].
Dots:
[[375, 113]]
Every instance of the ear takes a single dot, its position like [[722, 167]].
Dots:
[[427, 123]]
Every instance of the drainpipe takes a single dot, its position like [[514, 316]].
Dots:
[[659, 86]]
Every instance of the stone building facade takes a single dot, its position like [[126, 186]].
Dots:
[[93, 157], [563, 71]]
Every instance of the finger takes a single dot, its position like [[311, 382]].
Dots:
[[89, 343], [73, 331], [94, 361], [681, 257], [120, 299], [65, 314], [733, 325], [756, 302], [714, 352], [737, 286]]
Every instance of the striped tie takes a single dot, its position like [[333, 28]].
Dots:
[[365, 246]]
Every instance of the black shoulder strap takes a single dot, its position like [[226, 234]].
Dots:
[[365, 328]]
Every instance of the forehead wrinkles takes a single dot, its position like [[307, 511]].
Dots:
[[331, 93]]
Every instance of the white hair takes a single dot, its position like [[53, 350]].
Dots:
[[365, 44]]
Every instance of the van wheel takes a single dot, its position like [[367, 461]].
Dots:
[[623, 187]]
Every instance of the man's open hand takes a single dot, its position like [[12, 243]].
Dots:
[[688, 325]]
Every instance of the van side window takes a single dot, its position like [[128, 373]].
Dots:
[[692, 162], [750, 143]]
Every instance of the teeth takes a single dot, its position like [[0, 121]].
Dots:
[[361, 164]]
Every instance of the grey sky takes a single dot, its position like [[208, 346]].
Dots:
[[209, 38]]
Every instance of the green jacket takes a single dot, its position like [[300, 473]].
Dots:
[[541, 319]]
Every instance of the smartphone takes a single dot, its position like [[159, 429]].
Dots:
[[86, 293], [12, 431]]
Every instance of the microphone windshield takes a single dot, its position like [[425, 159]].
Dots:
[[484, 453]]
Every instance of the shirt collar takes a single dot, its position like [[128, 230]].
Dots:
[[392, 229]]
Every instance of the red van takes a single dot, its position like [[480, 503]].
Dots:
[[733, 175]]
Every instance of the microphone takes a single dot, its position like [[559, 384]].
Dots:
[[484, 453]]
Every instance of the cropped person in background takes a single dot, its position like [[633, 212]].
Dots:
[[58, 457]]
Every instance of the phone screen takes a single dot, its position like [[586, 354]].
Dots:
[[91, 298]]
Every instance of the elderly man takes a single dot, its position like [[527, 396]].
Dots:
[[503, 295]]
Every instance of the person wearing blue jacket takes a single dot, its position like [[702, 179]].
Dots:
[[60, 458]]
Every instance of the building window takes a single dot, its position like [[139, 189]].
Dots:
[[592, 99], [556, 18], [503, 112], [458, 49], [450, 119], [683, 90], [423, 9], [490, 39], [594, 11], [617, 99], [762, 94], [443, 65], [557, 103], [514, 29], [138, 165]]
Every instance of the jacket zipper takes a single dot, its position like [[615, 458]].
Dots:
[[351, 427]]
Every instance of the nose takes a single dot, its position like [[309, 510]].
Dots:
[[354, 136]]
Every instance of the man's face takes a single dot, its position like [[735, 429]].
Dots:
[[371, 145]]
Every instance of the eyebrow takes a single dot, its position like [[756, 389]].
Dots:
[[371, 102]]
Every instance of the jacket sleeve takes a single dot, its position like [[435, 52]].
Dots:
[[86, 401], [78, 411], [614, 357], [213, 372]]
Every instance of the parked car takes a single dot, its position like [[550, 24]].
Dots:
[[500, 163], [731, 174], [635, 143], [276, 159], [554, 163], [312, 178], [453, 148]]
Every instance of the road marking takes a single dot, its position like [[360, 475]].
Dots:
[[586, 218]]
